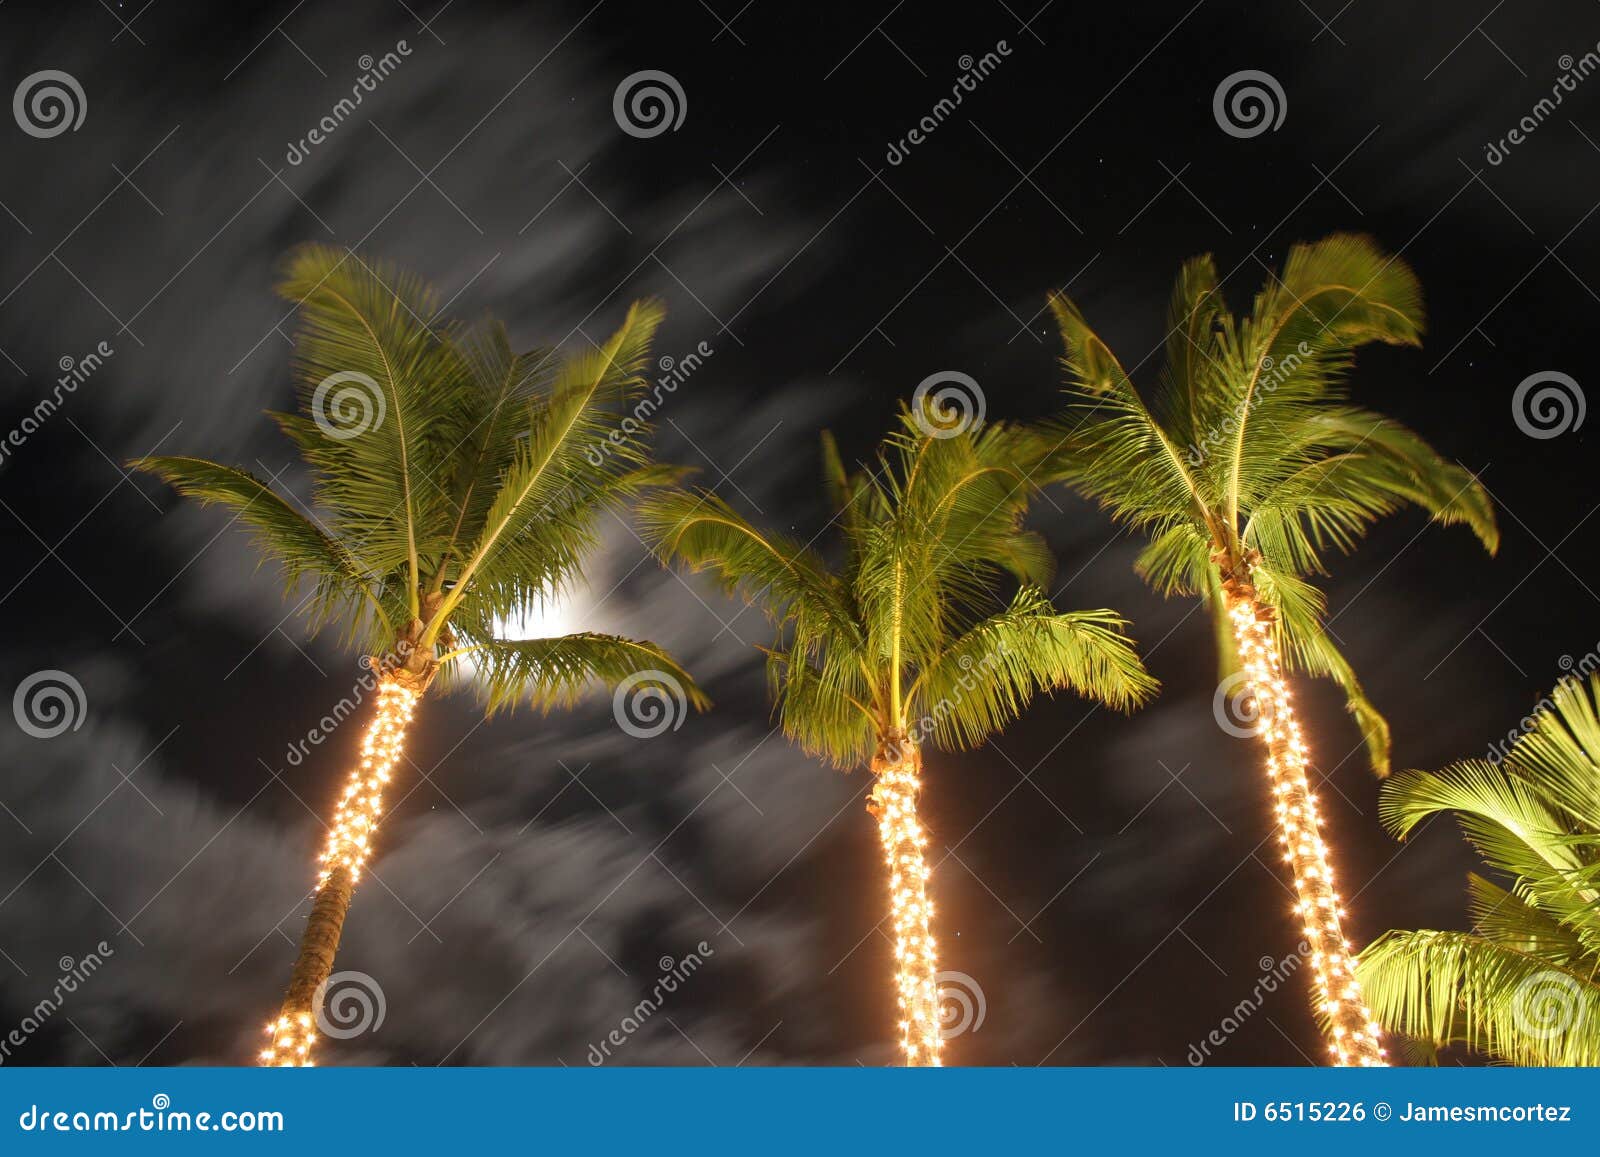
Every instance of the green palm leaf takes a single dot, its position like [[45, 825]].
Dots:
[[1522, 985], [1248, 456], [555, 672], [342, 587]]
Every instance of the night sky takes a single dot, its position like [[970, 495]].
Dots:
[[1109, 883]]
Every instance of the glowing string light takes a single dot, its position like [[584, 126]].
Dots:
[[355, 818], [1356, 1036], [292, 1036], [894, 802]]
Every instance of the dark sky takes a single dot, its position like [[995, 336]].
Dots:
[[1106, 882]]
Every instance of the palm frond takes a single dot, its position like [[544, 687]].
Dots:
[[1109, 444], [1308, 648], [1447, 987], [988, 675], [1522, 984], [508, 385], [342, 587], [787, 579], [385, 399], [1507, 818], [554, 467], [557, 671]]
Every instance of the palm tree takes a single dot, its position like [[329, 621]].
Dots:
[[1522, 986], [905, 641], [1244, 468], [456, 485]]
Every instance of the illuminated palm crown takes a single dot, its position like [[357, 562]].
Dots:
[[1522, 984], [455, 485], [1248, 455], [907, 636]]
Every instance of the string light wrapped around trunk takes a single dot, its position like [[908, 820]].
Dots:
[[293, 1034], [897, 767], [355, 819], [1356, 1036]]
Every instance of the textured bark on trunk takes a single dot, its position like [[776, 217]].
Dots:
[[293, 1033], [898, 768], [1355, 1036]]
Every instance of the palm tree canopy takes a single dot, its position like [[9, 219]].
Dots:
[[1522, 985], [1249, 448], [455, 484], [906, 634]]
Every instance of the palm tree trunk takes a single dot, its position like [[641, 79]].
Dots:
[[898, 767], [1355, 1037], [350, 835]]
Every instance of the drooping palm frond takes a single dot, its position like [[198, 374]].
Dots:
[[987, 676], [1453, 987], [343, 589], [1290, 356], [1308, 647], [1248, 453], [825, 690], [1522, 985], [555, 672], [784, 577]]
